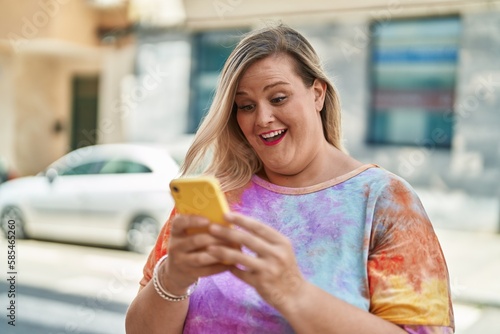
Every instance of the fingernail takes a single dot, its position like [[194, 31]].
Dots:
[[202, 220], [215, 227]]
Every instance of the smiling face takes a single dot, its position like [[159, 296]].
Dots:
[[280, 116]]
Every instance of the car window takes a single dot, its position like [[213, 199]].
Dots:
[[123, 167], [84, 169]]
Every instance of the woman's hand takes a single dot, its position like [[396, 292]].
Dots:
[[187, 255], [272, 271]]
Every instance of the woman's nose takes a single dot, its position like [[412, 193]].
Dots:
[[265, 116]]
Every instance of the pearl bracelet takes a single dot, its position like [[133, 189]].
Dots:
[[165, 294]]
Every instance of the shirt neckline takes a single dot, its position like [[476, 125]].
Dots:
[[314, 188]]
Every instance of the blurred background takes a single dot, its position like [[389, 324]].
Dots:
[[420, 88]]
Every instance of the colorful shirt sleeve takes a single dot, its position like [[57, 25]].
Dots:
[[408, 276]]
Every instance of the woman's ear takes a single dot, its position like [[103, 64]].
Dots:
[[319, 87]]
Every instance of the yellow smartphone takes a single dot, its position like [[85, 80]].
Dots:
[[201, 196]]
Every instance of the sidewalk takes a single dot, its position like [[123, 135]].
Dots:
[[473, 260]]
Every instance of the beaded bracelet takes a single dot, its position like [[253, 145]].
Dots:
[[165, 294]]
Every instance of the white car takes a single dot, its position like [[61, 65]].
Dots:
[[115, 195]]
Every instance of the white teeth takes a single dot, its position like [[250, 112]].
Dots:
[[272, 134]]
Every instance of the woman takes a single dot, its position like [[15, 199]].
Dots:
[[329, 245]]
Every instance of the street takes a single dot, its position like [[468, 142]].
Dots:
[[63, 288]]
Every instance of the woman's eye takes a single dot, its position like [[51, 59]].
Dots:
[[247, 107], [278, 99]]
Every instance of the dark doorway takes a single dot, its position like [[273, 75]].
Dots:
[[84, 120]]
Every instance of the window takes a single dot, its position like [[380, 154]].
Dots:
[[123, 167], [413, 77], [210, 51], [107, 167], [84, 169]]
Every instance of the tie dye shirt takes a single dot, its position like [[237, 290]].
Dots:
[[363, 237]]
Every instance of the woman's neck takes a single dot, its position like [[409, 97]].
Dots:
[[329, 163]]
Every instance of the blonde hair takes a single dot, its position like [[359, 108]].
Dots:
[[233, 160]]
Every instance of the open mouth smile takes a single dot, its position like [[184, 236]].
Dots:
[[273, 137]]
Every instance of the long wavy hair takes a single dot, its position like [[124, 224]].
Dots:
[[219, 138]]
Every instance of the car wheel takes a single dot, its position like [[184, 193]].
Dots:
[[142, 234], [10, 214]]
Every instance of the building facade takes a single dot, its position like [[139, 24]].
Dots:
[[61, 63]]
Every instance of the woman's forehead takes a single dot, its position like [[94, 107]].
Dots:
[[268, 70]]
